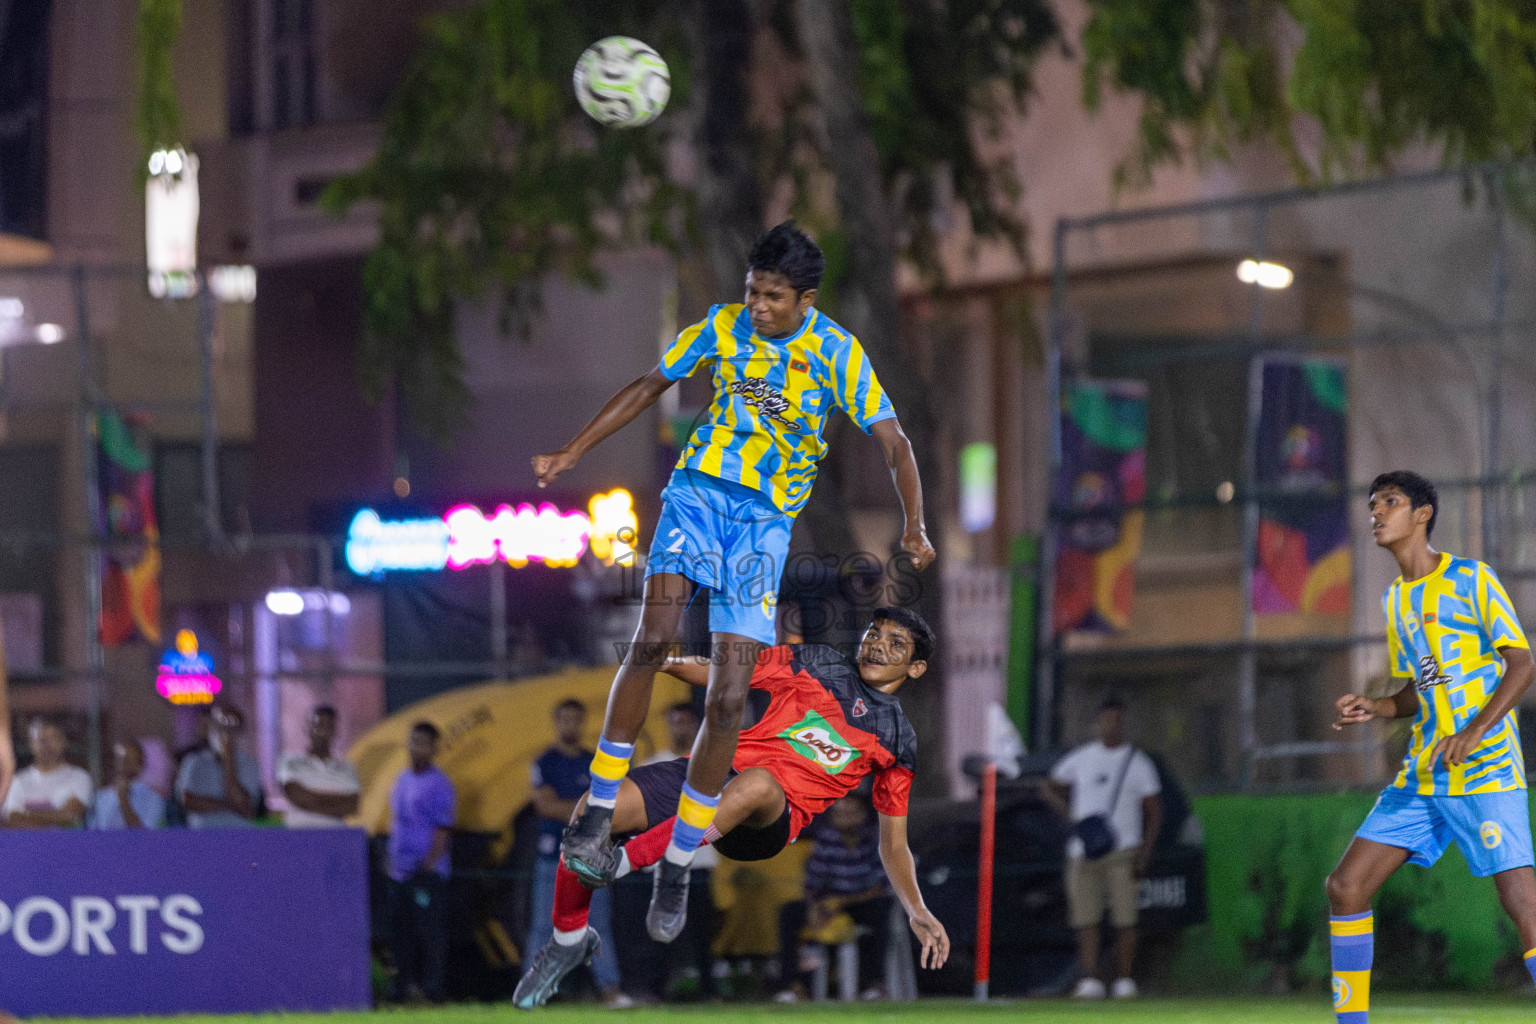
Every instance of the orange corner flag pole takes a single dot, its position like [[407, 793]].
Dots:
[[984, 883]]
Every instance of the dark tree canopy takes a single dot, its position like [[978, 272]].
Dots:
[[1376, 76]]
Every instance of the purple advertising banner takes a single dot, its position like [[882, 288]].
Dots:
[[179, 921]]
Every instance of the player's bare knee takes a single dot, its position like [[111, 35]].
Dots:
[[723, 705], [1345, 894]]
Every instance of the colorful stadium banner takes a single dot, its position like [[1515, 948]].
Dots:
[[130, 584], [1302, 561], [96, 924], [1103, 470]]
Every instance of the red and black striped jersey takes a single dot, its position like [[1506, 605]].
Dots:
[[824, 730]]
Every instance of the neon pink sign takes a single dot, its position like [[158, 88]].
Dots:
[[466, 536], [186, 676]]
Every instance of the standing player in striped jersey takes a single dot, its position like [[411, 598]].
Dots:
[[780, 366], [1453, 636]]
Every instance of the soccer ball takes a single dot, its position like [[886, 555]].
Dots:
[[622, 82]]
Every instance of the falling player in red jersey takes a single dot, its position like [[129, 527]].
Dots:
[[830, 722]]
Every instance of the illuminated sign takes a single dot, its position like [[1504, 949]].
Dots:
[[466, 536], [186, 676]]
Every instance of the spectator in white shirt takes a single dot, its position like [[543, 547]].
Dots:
[[1112, 779], [51, 793], [322, 790], [127, 803]]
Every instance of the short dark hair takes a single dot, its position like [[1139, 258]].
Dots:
[[569, 702], [324, 709], [47, 722], [428, 730], [789, 251], [1112, 703], [906, 618], [1419, 491]]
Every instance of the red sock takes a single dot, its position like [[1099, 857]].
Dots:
[[647, 847], [572, 900]]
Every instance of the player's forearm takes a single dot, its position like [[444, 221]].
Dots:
[[131, 817], [690, 668], [902, 461], [632, 400], [901, 869]]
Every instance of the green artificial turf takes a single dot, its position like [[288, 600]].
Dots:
[[1426, 1009]]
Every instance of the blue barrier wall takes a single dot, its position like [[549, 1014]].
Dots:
[[178, 921]]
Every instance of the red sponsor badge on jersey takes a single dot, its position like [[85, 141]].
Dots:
[[800, 365], [859, 709], [1429, 617]]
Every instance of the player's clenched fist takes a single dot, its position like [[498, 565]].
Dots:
[[547, 467], [1354, 709], [915, 543]]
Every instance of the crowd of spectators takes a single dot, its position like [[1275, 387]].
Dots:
[[216, 783]]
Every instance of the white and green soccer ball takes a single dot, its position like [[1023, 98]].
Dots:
[[622, 82]]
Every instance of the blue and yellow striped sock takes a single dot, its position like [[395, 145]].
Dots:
[[609, 766], [695, 813], [1530, 962], [1353, 937]]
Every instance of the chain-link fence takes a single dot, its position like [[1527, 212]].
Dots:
[[1408, 307]]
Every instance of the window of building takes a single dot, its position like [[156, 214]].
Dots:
[[291, 47]]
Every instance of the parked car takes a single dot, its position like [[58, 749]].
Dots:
[[1033, 950]]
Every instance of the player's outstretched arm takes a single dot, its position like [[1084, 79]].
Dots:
[[1518, 673], [690, 668], [901, 869], [633, 399], [903, 464]]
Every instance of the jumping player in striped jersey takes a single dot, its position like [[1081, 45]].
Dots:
[[829, 723], [1454, 640], [780, 367]]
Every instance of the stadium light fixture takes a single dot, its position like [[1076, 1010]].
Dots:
[[1265, 274]]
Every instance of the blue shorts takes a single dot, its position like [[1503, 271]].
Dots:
[[1492, 829], [729, 538]]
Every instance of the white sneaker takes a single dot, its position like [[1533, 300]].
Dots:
[[619, 1001], [1089, 988], [1124, 988]]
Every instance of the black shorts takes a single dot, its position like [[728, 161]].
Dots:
[[661, 786]]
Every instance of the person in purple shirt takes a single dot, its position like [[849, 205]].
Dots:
[[422, 807]]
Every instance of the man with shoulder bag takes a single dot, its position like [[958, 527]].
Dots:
[[1109, 791]]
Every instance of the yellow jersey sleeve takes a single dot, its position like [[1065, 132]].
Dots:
[[692, 349], [855, 387], [1496, 613]]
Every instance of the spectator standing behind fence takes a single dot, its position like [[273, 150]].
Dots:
[[220, 784], [1109, 782], [559, 777], [51, 793], [127, 802], [843, 875], [322, 790], [422, 806]]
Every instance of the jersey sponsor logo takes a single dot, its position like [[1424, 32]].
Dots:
[[1429, 618], [800, 366], [814, 739], [1341, 992], [768, 400], [860, 709], [1430, 674], [1491, 835]]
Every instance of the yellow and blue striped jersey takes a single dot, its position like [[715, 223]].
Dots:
[[772, 399], [1444, 631]]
